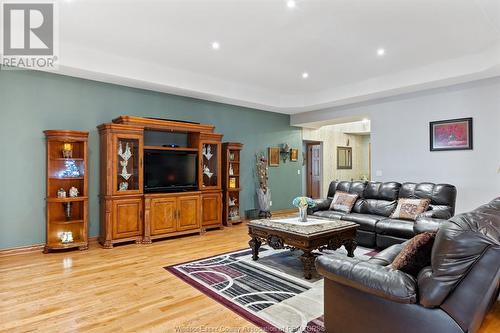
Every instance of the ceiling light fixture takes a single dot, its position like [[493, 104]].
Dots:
[[380, 52], [291, 4], [305, 75], [215, 45]]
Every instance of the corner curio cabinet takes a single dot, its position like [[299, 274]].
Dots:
[[67, 190]]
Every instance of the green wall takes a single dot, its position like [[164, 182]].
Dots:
[[31, 102]]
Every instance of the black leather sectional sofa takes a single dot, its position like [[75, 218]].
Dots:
[[452, 295], [377, 201]]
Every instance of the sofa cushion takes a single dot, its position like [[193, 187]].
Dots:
[[383, 208], [416, 254], [343, 201], [357, 187], [409, 209], [395, 227], [366, 221], [331, 214], [382, 191]]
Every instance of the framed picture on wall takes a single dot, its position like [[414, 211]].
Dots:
[[273, 156], [294, 155], [453, 134], [344, 158]]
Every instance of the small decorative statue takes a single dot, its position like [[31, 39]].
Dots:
[[207, 152], [68, 210], [232, 201], [67, 150], [66, 236], [231, 170], [61, 193], [207, 172], [302, 203], [73, 192], [125, 155], [231, 156], [71, 170]]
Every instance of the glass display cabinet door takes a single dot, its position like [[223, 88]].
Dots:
[[210, 164], [128, 165]]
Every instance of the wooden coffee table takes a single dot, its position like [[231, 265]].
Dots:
[[315, 234]]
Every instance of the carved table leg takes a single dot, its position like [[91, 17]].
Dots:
[[83, 247], [308, 261], [350, 245], [255, 244]]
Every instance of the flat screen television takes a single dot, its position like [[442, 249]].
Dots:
[[170, 171]]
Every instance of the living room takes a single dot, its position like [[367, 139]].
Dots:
[[175, 167]]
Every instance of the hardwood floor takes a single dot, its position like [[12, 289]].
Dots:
[[123, 289]]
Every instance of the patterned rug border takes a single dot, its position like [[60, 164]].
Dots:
[[220, 299]]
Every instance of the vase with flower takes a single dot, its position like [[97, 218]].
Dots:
[[302, 203]]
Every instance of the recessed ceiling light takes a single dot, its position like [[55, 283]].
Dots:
[[380, 52], [291, 4], [305, 75], [215, 45]]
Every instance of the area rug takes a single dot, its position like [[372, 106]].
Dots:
[[270, 292]]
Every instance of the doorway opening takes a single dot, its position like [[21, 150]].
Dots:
[[313, 169], [344, 154]]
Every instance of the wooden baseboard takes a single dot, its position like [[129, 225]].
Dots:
[[93, 240], [31, 248], [287, 211]]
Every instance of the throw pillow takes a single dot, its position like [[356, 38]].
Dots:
[[416, 254], [409, 209], [343, 201]]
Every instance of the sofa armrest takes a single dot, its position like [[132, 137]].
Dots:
[[381, 281], [321, 204], [437, 213], [427, 224]]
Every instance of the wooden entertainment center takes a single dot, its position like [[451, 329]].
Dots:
[[127, 212]]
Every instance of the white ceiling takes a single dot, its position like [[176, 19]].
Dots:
[[265, 47]]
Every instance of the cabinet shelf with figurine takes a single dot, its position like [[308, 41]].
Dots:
[[231, 182], [66, 190]]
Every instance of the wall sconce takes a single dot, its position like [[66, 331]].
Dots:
[[285, 151]]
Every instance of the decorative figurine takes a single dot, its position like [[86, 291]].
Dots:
[[73, 192], [206, 171], [207, 152], [65, 236], [68, 210], [61, 193], [125, 155], [231, 156], [71, 170], [232, 201], [67, 151], [231, 171]]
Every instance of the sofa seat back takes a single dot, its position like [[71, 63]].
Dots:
[[442, 197], [357, 187], [464, 274], [378, 198]]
